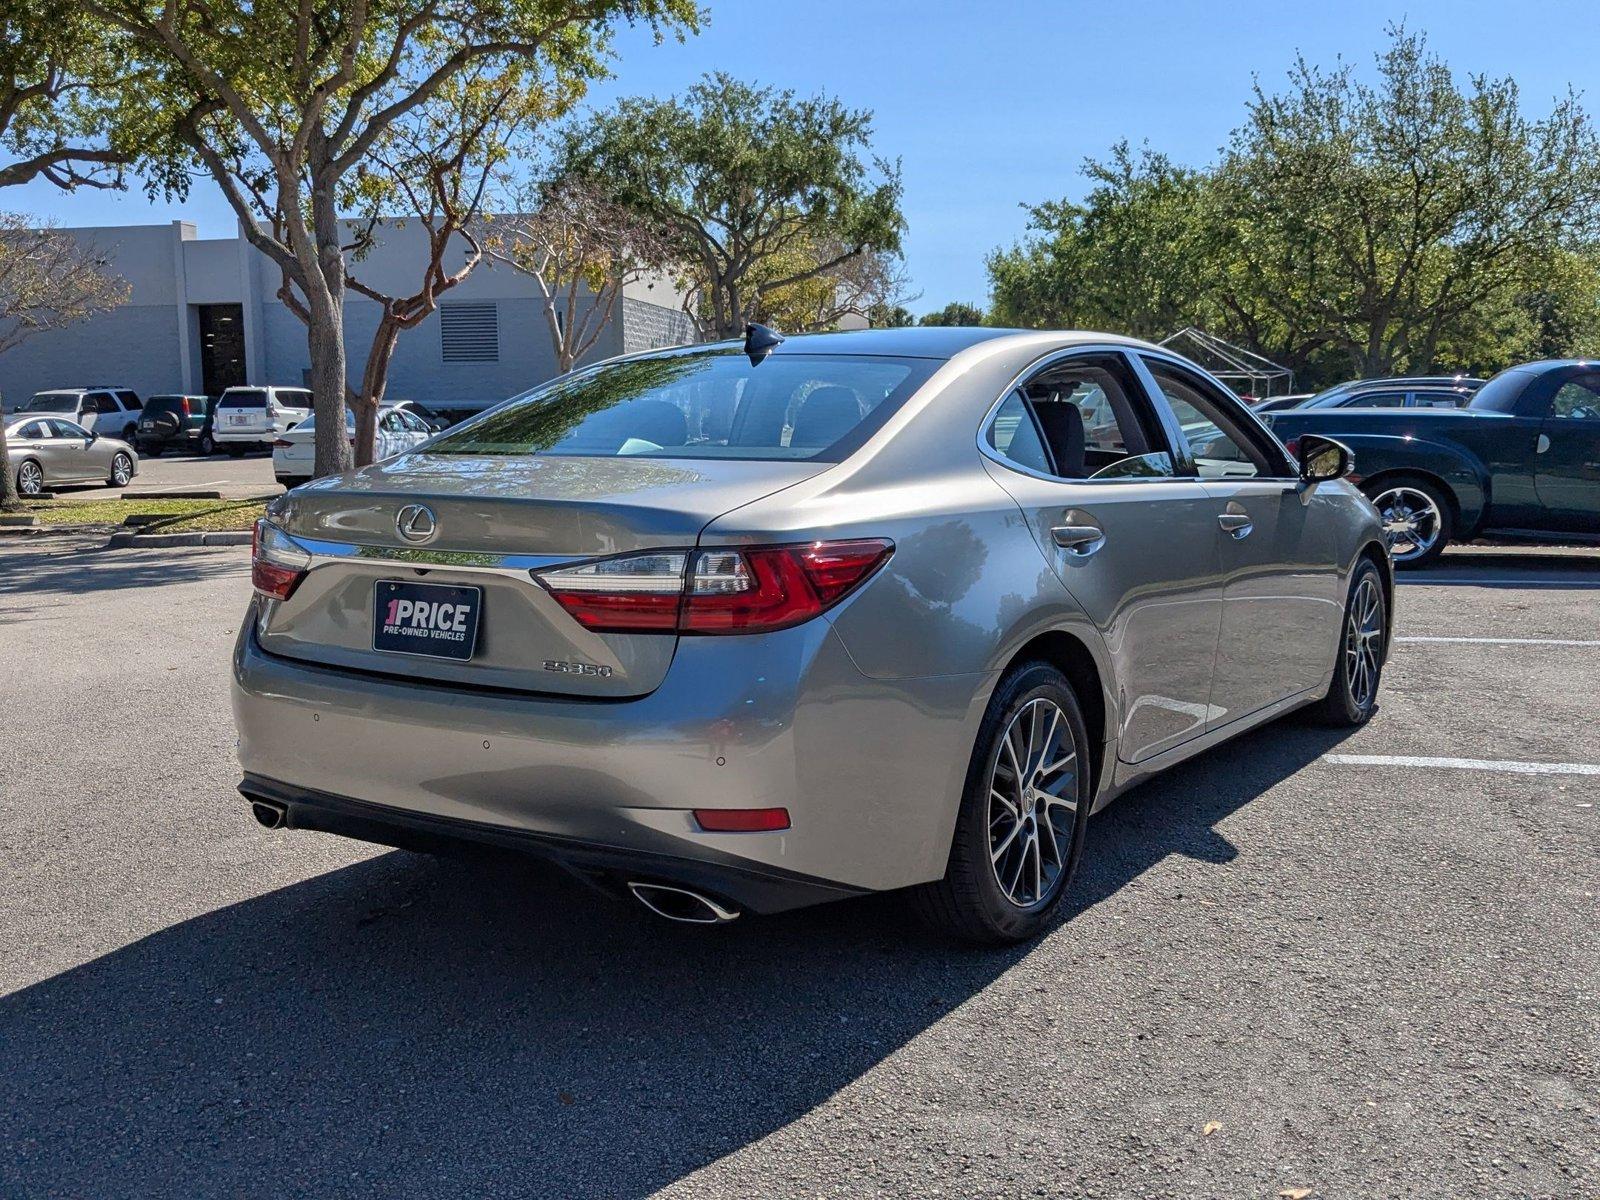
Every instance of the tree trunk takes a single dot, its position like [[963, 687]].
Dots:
[[374, 383], [325, 333], [9, 500]]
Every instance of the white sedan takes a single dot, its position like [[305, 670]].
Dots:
[[294, 452]]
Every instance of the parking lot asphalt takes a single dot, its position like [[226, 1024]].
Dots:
[[248, 475], [1350, 964]]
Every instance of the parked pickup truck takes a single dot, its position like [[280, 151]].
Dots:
[[1522, 458]]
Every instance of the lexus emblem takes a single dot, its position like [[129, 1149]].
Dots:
[[416, 523]]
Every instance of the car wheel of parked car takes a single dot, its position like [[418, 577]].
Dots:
[[1353, 696], [235, 450], [1417, 519], [129, 433], [207, 446], [121, 470], [30, 478], [1021, 826]]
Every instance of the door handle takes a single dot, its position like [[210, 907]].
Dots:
[[1236, 524], [1080, 540], [1542, 445]]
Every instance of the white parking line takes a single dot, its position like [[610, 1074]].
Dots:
[[1505, 766], [1489, 641]]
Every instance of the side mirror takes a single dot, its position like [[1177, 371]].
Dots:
[[1322, 458]]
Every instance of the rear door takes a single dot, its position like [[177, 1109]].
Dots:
[[38, 440], [1281, 584], [1567, 457], [1084, 455]]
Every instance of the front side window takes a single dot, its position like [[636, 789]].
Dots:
[[66, 429], [1578, 399], [700, 404], [1218, 444]]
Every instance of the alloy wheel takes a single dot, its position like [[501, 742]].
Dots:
[[1033, 803], [1411, 521], [121, 470], [1363, 642], [30, 479]]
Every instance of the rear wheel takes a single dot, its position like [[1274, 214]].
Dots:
[[1417, 519], [234, 449], [121, 470], [1353, 695], [30, 478], [1020, 829], [208, 445]]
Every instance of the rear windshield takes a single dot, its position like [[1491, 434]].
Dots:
[[245, 399], [66, 402], [1502, 392], [700, 404], [172, 404]]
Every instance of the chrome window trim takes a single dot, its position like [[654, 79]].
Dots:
[[1044, 362], [515, 566]]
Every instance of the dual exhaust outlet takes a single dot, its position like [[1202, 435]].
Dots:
[[671, 903]]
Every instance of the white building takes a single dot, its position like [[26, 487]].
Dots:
[[203, 314]]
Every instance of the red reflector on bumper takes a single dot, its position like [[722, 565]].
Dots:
[[741, 820]]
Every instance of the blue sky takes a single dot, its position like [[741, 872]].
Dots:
[[991, 104]]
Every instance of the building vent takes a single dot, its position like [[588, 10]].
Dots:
[[469, 333]]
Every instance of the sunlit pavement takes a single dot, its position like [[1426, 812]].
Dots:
[[1303, 961]]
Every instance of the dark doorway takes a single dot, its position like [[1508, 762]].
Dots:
[[221, 347]]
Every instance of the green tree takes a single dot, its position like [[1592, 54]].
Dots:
[[746, 178], [1388, 217], [955, 313], [280, 102]]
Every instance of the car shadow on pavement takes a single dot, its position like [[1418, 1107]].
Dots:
[[411, 1026], [81, 565]]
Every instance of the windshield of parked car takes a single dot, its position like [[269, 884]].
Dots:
[[63, 402], [700, 404]]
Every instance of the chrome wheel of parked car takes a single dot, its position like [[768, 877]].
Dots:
[[1412, 521], [121, 470], [30, 479], [1033, 803], [1363, 642]]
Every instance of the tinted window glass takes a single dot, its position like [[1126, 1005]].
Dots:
[[700, 404], [250, 398], [1013, 434], [1375, 400], [104, 402], [129, 400], [165, 404], [1219, 449], [1502, 392], [34, 429], [1578, 399], [61, 402], [291, 398]]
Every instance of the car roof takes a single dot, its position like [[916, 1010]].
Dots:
[[922, 341]]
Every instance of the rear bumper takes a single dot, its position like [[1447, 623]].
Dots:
[[722, 877], [870, 771]]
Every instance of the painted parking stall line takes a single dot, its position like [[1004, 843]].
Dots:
[[1503, 766], [1493, 641]]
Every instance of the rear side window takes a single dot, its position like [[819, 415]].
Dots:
[[104, 402], [244, 398], [34, 429], [1376, 400], [294, 399], [701, 404], [130, 400]]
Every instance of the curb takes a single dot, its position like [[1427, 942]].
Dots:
[[159, 540]]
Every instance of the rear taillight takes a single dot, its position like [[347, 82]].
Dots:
[[282, 444], [277, 562], [1293, 447], [728, 590]]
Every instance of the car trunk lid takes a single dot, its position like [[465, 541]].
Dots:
[[495, 519]]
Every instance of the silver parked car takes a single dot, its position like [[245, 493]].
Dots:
[[46, 451], [745, 627]]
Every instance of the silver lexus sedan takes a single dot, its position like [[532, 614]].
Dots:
[[747, 626]]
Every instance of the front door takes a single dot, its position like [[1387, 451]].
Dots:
[[1282, 593], [1567, 458], [70, 450], [1079, 449]]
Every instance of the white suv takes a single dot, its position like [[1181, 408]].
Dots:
[[108, 411], [255, 416]]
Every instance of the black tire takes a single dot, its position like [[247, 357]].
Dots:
[[150, 449], [30, 482], [122, 461], [207, 446], [233, 449], [1446, 522], [1353, 696], [970, 902], [129, 432]]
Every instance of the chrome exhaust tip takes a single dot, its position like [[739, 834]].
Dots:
[[270, 814], [680, 904]]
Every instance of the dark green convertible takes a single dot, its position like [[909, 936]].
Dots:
[[1522, 458]]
